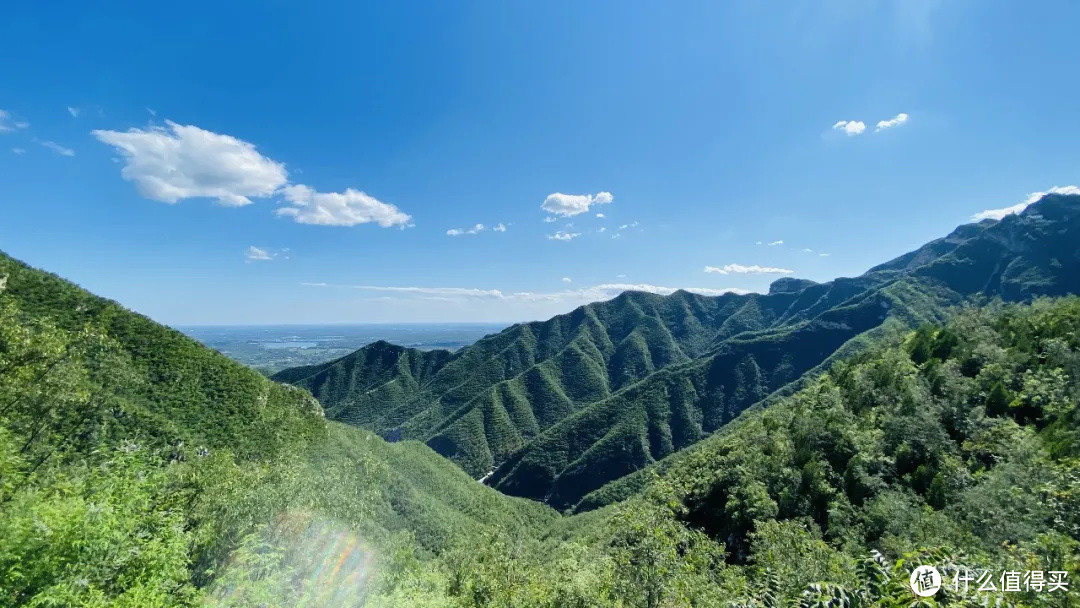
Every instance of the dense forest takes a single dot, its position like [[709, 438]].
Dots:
[[557, 409], [138, 468]]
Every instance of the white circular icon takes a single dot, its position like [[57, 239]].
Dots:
[[925, 581]]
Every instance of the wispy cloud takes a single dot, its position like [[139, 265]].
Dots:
[[260, 254], [476, 229], [564, 236], [436, 291], [771, 243], [74, 111], [567, 280], [9, 123], [18, 150], [256, 254], [850, 127], [752, 269], [566, 205], [997, 214], [593, 293], [55, 147], [895, 121]]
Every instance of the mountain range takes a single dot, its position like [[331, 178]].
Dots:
[[555, 410]]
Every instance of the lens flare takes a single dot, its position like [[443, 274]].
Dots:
[[301, 561]]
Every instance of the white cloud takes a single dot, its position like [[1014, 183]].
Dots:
[[549, 219], [583, 295], [436, 291], [567, 280], [807, 250], [74, 111], [602, 229], [19, 150], [256, 254], [184, 161], [620, 276], [8, 124], [775, 243], [55, 147], [600, 215], [347, 208], [564, 236], [478, 228], [997, 214], [895, 121], [824, 255], [850, 127], [753, 269], [566, 205]]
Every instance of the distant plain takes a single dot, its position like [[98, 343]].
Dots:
[[270, 348]]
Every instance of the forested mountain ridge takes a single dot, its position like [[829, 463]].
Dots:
[[566, 405], [139, 469]]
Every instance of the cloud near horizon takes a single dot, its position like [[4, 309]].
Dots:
[[752, 269], [604, 291], [1034, 197]]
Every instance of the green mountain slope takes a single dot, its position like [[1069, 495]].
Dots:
[[139, 468], [952, 445], [564, 406]]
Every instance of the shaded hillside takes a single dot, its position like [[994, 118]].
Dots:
[[566, 405]]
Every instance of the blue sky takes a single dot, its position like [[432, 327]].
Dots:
[[269, 162]]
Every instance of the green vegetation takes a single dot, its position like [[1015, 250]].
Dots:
[[140, 469], [562, 407], [954, 445]]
